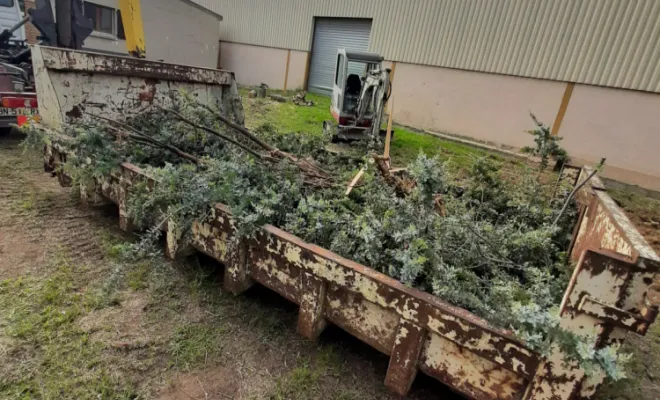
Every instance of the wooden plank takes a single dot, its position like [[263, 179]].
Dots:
[[286, 71], [563, 107], [307, 63], [354, 181]]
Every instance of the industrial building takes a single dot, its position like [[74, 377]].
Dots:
[[591, 69]]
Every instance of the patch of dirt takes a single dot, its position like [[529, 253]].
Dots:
[[38, 217], [19, 253], [122, 327], [216, 382], [648, 224]]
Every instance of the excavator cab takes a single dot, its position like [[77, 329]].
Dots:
[[360, 90]]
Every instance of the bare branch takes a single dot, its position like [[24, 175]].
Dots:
[[211, 131]]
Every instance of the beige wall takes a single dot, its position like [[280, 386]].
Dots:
[[253, 65], [486, 107], [620, 125], [297, 68], [179, 33]]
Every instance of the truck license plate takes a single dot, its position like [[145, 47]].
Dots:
[[17, 111]]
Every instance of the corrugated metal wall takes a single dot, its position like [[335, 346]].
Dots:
[[599, 42], [329, 35]]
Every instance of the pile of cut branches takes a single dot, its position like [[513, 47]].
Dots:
[[492, 246]]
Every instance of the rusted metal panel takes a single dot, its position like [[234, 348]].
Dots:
[[59, 59], [284, 278], [402, 369], [367, 321], [71, 83], [213, 236], [311, 319], [617, 317], [466, 371]]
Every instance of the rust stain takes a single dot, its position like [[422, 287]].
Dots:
[[70, 60]]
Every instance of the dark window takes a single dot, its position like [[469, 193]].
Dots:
[[103, 18], [7, 3], [120, 27]]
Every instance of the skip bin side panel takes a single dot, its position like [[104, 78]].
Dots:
[[419, 308], [361, 318], [70, 83], [470, 374]]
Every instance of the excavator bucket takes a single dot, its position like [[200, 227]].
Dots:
[[71, 83]]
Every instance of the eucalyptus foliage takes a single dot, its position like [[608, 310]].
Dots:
[[493, 249]]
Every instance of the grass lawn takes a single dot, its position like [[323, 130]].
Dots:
[[406, 144]]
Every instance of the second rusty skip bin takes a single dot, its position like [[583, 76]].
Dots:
[[609, 293]]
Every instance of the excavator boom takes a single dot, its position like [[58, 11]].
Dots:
[[133, 28]]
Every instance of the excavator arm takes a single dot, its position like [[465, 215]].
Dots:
[[133, 28]]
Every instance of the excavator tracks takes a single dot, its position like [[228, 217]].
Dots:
[[38, 218]]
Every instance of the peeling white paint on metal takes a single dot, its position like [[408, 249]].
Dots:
[[279, 273], [70, 82], [636, 290], [562, 381], [402, 334], [632, 234], [365, 316], [203, 233], [611, 238], [369, 289], [467, 370], [605, 286], [436, 325]]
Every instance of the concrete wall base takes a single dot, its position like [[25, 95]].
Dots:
[[254, 65]]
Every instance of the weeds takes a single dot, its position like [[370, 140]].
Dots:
[[138, 275], [194, 344], [299, 384], [59, 360]]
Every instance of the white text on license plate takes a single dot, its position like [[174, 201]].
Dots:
[[17, 111]]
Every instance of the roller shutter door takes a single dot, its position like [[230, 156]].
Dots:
[[331, 34]]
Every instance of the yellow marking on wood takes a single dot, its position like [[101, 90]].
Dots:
[[354, 181], [393, 71], [307, 61], [562, 108], [286, 72]]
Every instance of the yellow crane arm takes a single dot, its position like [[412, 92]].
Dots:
[[132, 17]]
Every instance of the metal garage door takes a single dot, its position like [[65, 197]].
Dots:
[[331, 34]]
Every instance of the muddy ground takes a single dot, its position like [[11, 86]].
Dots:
[[78, 322]]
